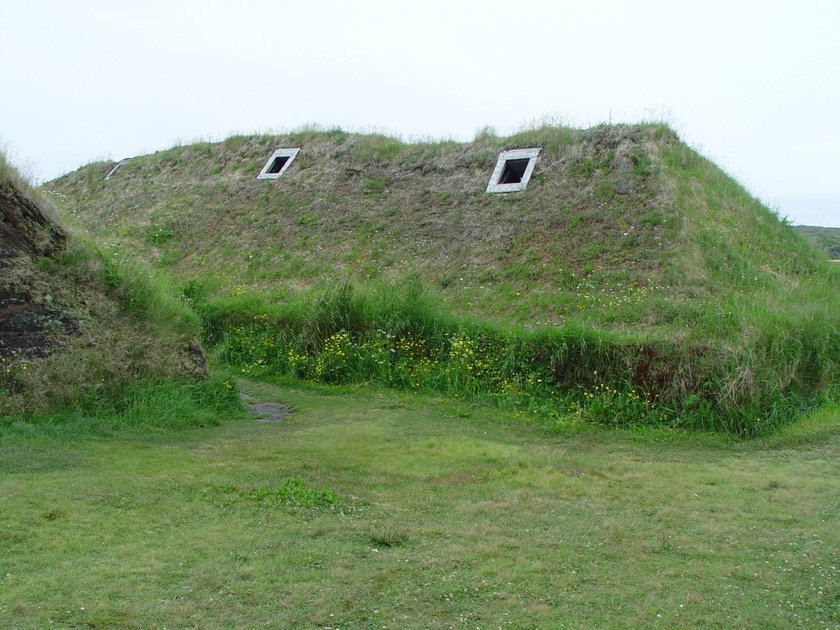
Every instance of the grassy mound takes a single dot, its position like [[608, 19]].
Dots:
[[81, 328], [630, 269]]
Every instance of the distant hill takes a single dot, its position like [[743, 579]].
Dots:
[[826, 238]]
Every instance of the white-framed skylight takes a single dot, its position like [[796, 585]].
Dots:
[[277, 164], [513, 170]]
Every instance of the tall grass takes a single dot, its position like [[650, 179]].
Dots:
[[143, 406], [397, 336]]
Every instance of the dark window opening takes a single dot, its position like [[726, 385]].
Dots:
[[278, 164], [514, 171]]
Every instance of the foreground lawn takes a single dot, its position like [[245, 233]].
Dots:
[[423, 513]]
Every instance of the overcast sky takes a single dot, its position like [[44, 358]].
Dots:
[[754, 85]]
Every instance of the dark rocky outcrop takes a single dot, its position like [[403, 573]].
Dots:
[[27, 325], [24, 228]]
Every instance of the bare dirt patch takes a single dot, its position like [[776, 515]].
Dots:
[[270, 412]]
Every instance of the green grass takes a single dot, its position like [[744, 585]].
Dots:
[[398, 336], [438, 514], [142, 406]]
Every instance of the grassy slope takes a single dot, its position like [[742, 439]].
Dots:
[[623, 230], [365, 207], [620, 227], [449, 516]]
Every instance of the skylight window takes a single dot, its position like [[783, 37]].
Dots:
[[114, 170], [513, 170], [278, 163]]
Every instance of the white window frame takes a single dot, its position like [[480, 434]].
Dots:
[[279, 153], [514, 154]]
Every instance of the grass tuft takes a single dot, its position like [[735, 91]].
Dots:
[[390, 537], [292, 492]]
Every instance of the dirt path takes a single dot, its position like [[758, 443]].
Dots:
[[268, 411]]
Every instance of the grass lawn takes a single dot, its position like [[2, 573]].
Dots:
[[419, 513]]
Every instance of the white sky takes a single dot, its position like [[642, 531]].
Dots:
[[754, 85]]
